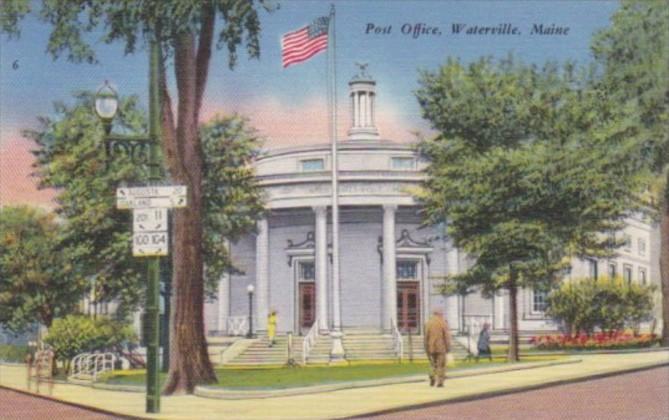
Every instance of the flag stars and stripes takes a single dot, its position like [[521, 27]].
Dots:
[[304, 43]]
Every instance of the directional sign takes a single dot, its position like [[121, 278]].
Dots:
[[148, 244], [151, 202], [147, 192], [147, 220]]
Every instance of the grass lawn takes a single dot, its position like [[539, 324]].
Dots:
[[279, 378]]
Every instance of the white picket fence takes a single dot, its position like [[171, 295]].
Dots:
[[87, 366]]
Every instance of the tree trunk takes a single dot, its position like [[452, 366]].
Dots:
[[189, 359], [513, 315], [664, 263]]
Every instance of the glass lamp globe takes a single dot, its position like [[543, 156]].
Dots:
[[250, 288], [106, 102]]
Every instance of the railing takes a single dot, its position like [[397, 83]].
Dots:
[[398, 344], [90, 365], [309, 341], [238, 325]]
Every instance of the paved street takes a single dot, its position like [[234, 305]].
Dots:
[[641, 396], [17, 406]]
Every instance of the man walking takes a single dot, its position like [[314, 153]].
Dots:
[[437, 344]]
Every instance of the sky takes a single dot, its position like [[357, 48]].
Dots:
[[288, 106]]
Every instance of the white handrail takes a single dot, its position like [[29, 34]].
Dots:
[[91, 364], [398, 344], [309, 341]]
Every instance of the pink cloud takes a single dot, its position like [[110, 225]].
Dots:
[[292, 124], [17, 185]]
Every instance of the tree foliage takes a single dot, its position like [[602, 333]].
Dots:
[[71, 159], [518, 170], [634, 51], [39, 276]]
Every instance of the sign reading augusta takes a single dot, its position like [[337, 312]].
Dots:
[[149, 216]]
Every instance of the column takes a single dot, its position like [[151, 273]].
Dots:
[[223, 298], [452, 302], [500, 322], [321, 268], [262, 276], [389, 267], [365, 111]]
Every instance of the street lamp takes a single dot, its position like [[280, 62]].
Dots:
[[106, 105], [250, 289], [141, 149]]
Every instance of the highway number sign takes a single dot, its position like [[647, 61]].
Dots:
[[149, 244], [148, 220]]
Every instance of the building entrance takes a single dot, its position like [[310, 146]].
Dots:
[[408, 307], [307, 299]]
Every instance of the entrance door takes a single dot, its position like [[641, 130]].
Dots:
[[408, 307], [307, 305]]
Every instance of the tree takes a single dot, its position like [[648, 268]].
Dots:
[[187, 31], [519, 172], [634, 52], [70, 157], [39, 280]]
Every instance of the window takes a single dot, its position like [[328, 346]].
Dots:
[[407, 270], [592, 267], [403, 163], [612, 270], [307, 271], [642, 276], [627, 273], [627, 243], [642, 247], [539, 300], [311, 165]]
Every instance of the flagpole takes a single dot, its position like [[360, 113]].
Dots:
[[337, 353]]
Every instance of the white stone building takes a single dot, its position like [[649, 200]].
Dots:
[[390, 267]]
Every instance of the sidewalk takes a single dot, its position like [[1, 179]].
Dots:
[[343, 403]]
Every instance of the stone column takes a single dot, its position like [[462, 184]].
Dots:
[[262, 276], [389, 267], [499, 303], [223, 299], [321, 263], [452, 302]]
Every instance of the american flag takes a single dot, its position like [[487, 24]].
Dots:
[[304, 43]]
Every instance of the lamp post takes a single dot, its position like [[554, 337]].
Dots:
[[106, 106], [250, 289]]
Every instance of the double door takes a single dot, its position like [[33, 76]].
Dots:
[[307, 306], [408, 307]]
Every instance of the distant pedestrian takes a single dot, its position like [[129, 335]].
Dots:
[[437, 344], [483, 345], [271, 328]]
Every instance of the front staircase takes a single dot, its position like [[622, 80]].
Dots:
[[359, 344]]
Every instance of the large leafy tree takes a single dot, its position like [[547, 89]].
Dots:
[[70, 158], [519, 170], [634, 51], [187, 31], [39, 277]]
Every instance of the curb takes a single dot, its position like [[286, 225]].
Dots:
[[227, 394], [502, 392], [73, 404]]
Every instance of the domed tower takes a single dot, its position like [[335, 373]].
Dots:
[[362, 90]]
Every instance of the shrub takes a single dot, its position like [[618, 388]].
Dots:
[[13, 353], [609, 305], [77, 334]]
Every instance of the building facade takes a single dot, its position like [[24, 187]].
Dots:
[[390, 265]]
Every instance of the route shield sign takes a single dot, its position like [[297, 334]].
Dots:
[[151, 219], [149, 244]]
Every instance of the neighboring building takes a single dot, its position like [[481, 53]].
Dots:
[[390, 267]]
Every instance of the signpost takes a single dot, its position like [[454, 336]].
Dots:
[[149, 216]]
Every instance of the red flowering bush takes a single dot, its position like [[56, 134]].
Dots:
[[596, 341]]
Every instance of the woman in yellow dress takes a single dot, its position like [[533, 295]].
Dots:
[[271, 327]]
